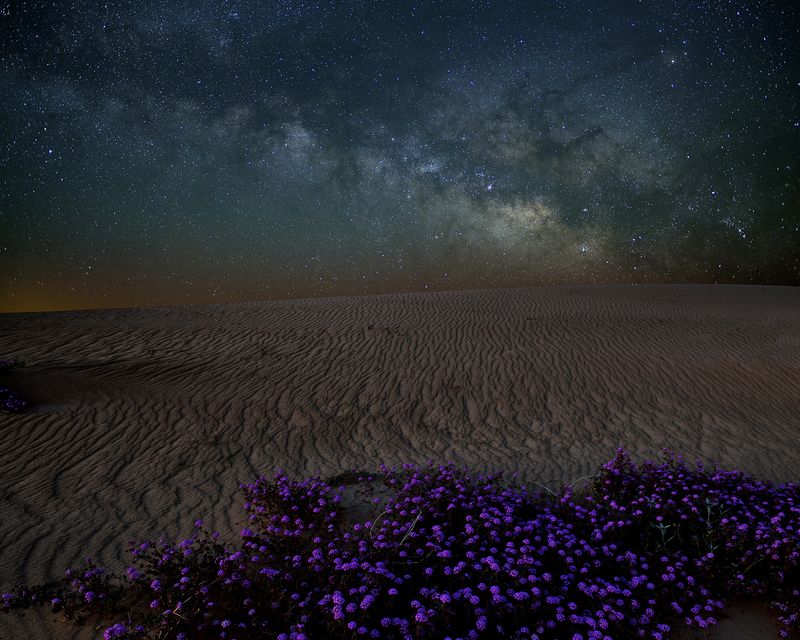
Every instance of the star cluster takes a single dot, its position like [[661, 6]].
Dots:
[[167, 152]]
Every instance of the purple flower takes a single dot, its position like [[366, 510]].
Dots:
[[115, 631]]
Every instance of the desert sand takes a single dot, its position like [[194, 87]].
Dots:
[[145, 419]]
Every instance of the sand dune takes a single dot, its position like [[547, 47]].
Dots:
[[146, 419]]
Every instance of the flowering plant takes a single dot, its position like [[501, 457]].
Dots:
[[452, 554], [10, 402]]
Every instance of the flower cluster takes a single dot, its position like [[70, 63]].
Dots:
[[722, 528], [453, 554], [88, 591], [10, 402]]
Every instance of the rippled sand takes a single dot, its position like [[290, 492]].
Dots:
[[146, 419]]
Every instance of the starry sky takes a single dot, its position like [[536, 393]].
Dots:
[[189, 151]]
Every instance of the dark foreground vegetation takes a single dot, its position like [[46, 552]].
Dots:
[[447, 553], [10, 401]]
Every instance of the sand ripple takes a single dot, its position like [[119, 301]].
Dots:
[[146, 419]]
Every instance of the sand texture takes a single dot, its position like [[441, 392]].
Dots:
[[147, 419]]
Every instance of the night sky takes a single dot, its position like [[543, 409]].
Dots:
[[168, 152]]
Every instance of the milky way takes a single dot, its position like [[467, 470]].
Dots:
[[170, 152]]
